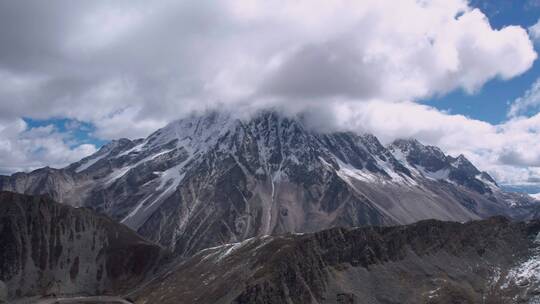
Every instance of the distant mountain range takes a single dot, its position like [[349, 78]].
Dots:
[[213, 179]]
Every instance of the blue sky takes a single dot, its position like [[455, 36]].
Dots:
[[76, 132]]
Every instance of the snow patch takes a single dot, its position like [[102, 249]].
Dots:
[[90, 162], [122, 171], [527, 272], [136, 148], [348, 171], [117, 174], [221, 252], [436, 175], [400, 156], [173, 177], [487, 182], [173, 174], [395, 176], [135, 210]]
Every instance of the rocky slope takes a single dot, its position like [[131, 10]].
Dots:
[[50, 248], [489, 261], [213, 179]]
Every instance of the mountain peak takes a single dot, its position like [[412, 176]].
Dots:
[[430, 158]]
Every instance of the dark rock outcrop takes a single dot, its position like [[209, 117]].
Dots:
[[3, 293], [50, 248]]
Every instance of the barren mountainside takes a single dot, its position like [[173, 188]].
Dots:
[[489, 261], [49, 248], [213, 179]]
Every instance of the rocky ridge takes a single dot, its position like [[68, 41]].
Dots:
[[50, 248], [487, 261]]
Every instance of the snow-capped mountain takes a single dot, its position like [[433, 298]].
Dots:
[[213, 179]]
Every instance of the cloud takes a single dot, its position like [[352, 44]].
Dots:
[[142, 63], [128, 67], [534, 30], [426, 50], [529, 101], [23, 148], [510, 151]]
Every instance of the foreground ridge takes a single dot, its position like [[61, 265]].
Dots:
[[53, 249], [426, 262]]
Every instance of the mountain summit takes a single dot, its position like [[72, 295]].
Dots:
[[213, 179]]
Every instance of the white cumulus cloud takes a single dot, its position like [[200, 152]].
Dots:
[[145, 63], [128, 67], [529, 100], [25, 148]]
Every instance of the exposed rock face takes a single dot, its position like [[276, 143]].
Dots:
[[427, 262], [50, 248], [3, 292], [212, 179]]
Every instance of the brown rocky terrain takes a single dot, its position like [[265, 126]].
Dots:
[[426, 262], [50, 248]]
